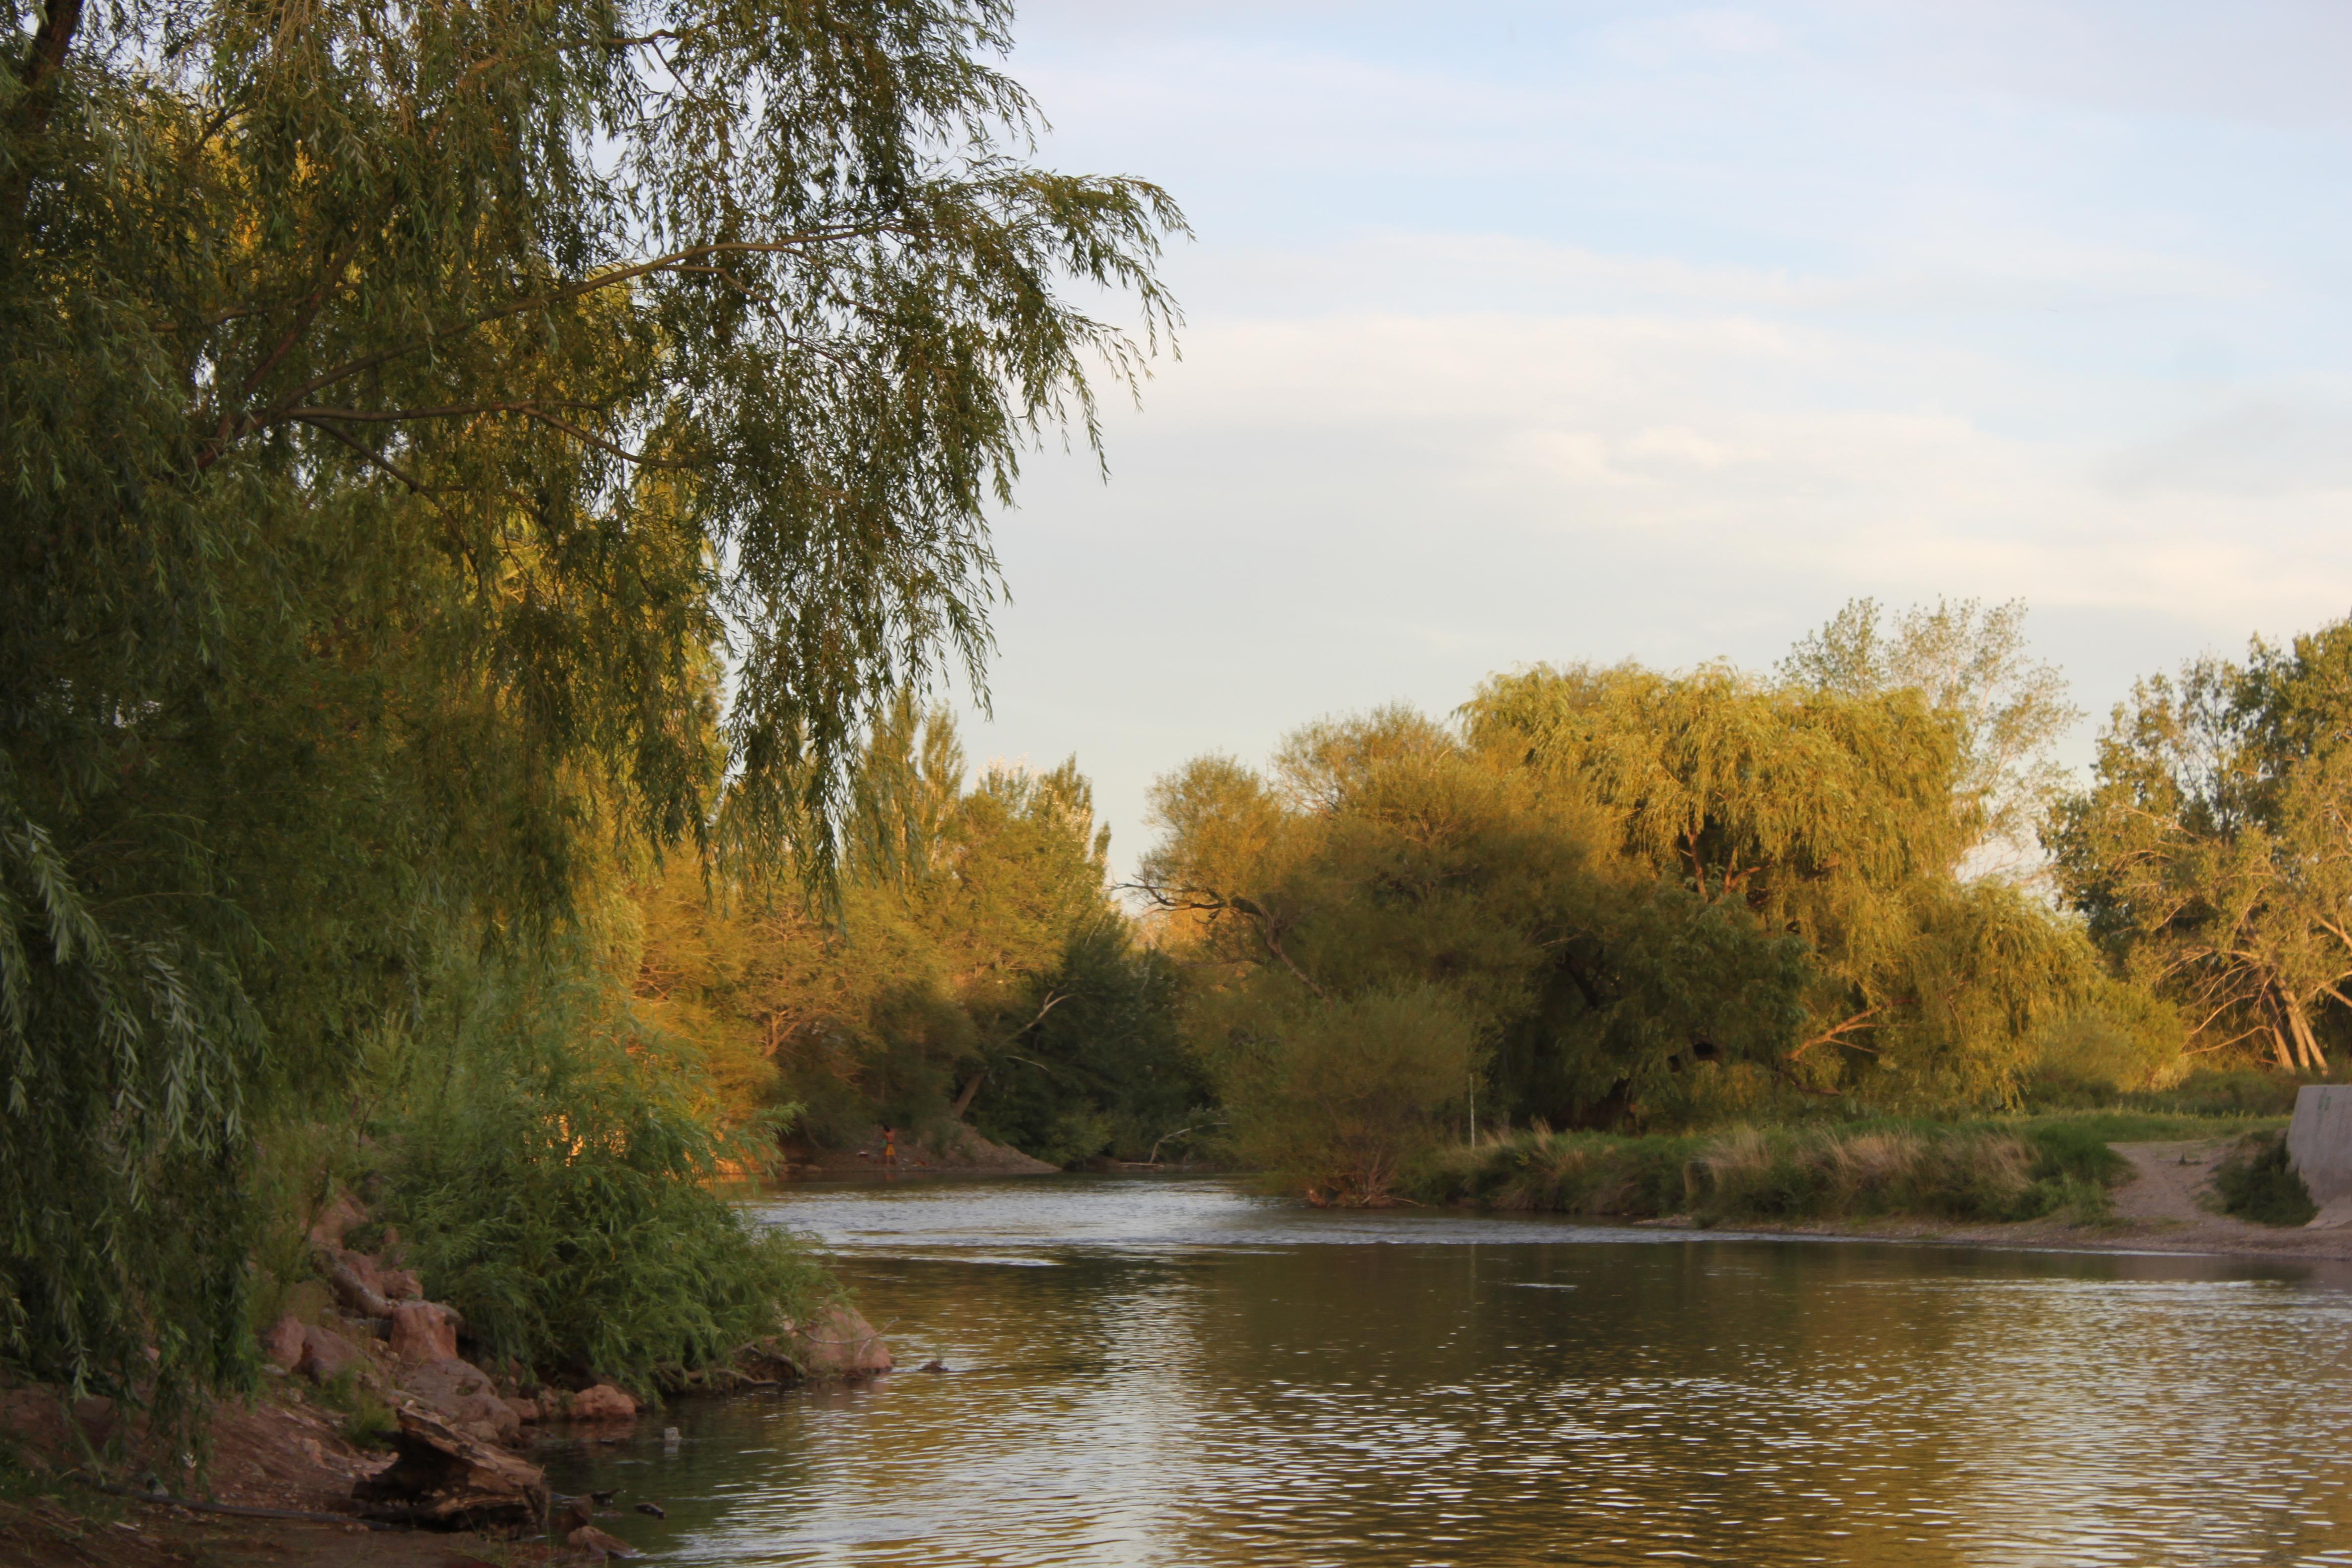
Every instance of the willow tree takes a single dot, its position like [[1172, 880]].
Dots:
[[1838, 817], [2213, 849], [403, 414], [1385, 872], [1972, 667]]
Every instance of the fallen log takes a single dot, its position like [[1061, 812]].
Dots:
[[443, 1479]]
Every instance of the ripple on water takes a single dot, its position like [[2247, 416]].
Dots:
[[1203, 1376]]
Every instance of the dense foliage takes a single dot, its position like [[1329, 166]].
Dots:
[[549, 1159], [2212, 852], [2253, 1181], [1656, 901], [1950, 1171], [406, 416], [975, 967]]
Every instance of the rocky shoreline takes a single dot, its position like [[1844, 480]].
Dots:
[[374, 1440]]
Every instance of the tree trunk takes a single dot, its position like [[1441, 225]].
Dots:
[[971, 1092], [2307, 1043]]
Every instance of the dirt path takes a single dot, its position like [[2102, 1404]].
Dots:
[[2172, 1178]]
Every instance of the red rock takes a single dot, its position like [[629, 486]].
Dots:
[[836, 1343], [335, 1219], [588, 1538], [326, 1354], [424, 1330], [462, 1394], [526, 1411], [281, 1346], [401, 1284], [602, 1403]]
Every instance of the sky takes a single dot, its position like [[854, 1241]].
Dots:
[[1595, 332]]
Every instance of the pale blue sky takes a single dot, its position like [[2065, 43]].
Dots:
[[1589, 331]]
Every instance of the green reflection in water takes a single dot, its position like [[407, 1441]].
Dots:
[[1173, 1373]]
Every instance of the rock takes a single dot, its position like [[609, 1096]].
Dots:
[[400, 1284], [602, 1403], [526, 1411], [652, 1510], [424, 1330], [590, 1538], [337, 1218], [445, 1479], [327, 1355], [353, 1277], [462, 1394], [281, 1346], [837, 1343]]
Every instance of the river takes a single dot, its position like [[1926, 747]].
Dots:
[[1175, 1372]]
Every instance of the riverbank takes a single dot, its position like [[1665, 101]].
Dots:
[[2101, 1181], [2165, 1205], [1992, 1171], [378, 1432]]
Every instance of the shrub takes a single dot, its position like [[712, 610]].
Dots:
[[1343, 1095], [552, 1169], [2254, 1183], [1958, 1173], [368, 1422]]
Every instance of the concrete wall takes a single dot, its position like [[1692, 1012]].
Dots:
[[2319, 1144]]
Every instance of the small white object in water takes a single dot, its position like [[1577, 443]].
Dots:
[[669, 1437]]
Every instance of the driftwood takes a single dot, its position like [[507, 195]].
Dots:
[[447, 1481]]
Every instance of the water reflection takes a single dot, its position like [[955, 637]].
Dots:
[[1196, 1377]]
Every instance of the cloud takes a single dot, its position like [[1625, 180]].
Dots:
[[1522, 331]]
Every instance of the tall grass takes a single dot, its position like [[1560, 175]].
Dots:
[[1943, 1172]]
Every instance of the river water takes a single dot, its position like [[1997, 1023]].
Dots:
[[1174, 1372]]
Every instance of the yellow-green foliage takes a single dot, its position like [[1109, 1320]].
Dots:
[[1838, 817], [1336, 1098], [1943, 1172], [2212, 852], [1667, 901], [386, 461], [972, 963]]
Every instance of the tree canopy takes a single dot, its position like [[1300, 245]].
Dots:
[[439, 443], [2212, 851]]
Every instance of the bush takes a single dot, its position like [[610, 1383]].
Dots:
[[1342, 1096], [1982, 1173], [553, 1171], [2254, 1183], [368, 1422]]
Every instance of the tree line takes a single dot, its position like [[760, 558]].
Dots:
[[1593, 897], [1618, 898]]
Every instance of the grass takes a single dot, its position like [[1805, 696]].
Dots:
[[1988, 1169], [368, 1422], [2254, 1182]]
